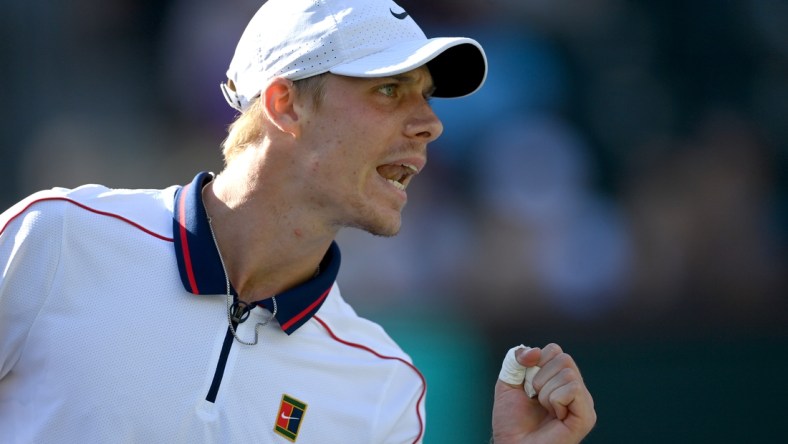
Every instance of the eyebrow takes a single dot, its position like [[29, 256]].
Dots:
[[429, 90]]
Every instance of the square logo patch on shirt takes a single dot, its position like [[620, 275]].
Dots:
[[290, 417]]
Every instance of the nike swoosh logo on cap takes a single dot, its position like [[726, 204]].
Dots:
[[402, 15]]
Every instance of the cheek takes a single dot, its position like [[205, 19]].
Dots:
[[346, 146], [335, 164]]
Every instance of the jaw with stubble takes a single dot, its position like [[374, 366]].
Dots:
[[387, 225]]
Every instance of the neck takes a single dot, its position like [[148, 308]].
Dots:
[[267, 245]]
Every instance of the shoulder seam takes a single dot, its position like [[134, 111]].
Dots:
[[381, 356], [85, 207]]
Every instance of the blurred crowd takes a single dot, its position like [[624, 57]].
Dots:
[[623, 167]]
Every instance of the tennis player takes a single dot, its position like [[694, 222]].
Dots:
[[209, 312]]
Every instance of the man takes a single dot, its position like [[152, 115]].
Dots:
[[209, 312]]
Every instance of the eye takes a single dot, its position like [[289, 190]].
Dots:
[[429, 94], [388, 90]]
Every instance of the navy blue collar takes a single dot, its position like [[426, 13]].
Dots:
[[202, 272]]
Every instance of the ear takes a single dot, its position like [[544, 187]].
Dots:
[[280, 106]]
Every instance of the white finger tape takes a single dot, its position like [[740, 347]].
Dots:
[[530, 373], [513, 373]]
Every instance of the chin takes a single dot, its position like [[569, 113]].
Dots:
[[384, 233], [384, 227], [380, 220]]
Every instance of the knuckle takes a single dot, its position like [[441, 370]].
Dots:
[[568, 376], [564, 359], [553, 348]]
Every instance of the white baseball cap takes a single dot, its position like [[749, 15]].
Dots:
[[296, 39]]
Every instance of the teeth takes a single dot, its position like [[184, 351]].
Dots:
[[396, 184], [398, 174]]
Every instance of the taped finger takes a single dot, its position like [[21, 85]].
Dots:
[[513, 373]]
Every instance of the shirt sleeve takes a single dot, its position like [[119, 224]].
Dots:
[[30, 245], [402, 418]]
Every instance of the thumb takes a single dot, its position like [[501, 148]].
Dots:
[[528, 356], [515, 362]]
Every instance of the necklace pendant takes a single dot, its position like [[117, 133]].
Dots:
[[240, 311]]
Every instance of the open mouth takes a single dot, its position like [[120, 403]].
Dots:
[[398, 175]]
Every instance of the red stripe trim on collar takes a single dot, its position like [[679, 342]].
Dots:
[[187, 259], [306, 311]]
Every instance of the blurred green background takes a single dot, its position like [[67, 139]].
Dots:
[[618, 187], [725, 389]]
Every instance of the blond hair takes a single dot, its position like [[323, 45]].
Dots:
[[246, 130]]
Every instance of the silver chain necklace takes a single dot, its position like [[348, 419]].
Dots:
[[230, 298]]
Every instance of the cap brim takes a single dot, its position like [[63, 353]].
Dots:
[[458, 65]]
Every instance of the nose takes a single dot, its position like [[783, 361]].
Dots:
[[424, 123]]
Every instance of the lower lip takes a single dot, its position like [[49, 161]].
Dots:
[[401, 193]]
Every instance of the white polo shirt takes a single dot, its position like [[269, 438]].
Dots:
[[113, 328]]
